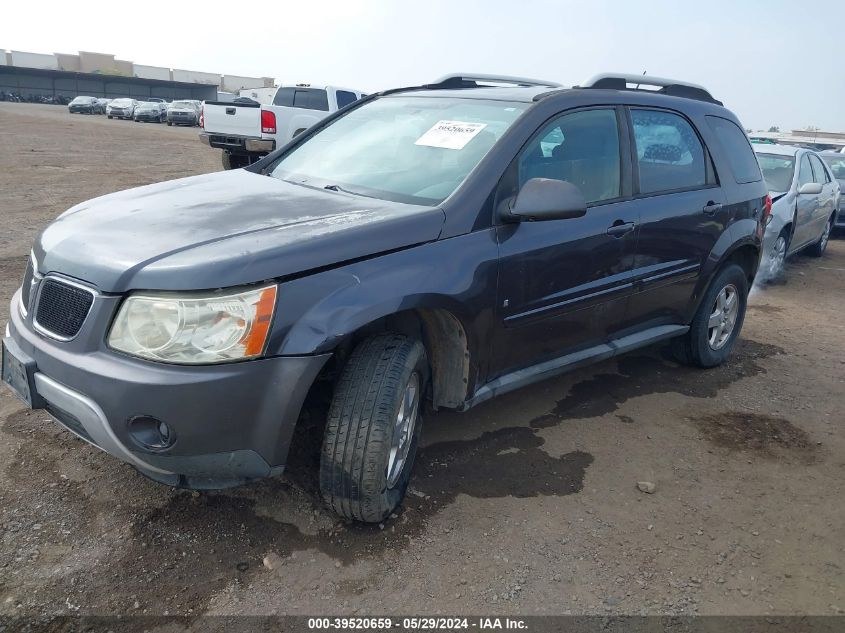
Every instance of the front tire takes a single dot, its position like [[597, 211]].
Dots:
[[373, 428], [818, 249], [718, 321]]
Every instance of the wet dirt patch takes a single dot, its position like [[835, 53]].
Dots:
[[755, 432], [507, 462], [655, 372]]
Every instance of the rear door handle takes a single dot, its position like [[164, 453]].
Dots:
[[620, 228], [711, 207]]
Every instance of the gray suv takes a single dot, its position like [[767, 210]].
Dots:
[[424, 248]]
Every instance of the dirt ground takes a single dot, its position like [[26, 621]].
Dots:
[[525, 505]]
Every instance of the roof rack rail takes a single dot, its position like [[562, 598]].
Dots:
[[470, 80], [673, 87]]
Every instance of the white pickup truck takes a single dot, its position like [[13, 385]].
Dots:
[[246, 130]]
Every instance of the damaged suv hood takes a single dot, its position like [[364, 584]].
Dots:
[[223, 229]]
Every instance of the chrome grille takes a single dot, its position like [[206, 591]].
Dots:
[[62, 308]]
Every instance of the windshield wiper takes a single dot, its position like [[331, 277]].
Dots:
[[341, 189]]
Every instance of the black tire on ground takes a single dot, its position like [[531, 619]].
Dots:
[[110, 116], [818, 249], [234, 161], [361, 424], [694, 348], [170, 123]]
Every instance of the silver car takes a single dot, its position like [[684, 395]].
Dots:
[[836, 162], [805, 197]]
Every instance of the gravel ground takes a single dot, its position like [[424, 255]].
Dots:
[[525, 505]]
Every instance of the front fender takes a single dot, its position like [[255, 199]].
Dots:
[[317, 311]]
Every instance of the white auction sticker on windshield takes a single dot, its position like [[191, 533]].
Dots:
[[450, 134]]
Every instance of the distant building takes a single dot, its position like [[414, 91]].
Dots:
[[101, 75], [816, 139]]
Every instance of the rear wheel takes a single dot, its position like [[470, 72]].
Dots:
[[718, 321], [373, 427], [818, 249], [234, 161]]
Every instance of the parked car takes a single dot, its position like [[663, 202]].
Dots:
[[85, 105], [121, 108], [151, 112], [104, 104], [805, 197], [246, 131], [428, 247], [183, 113], [836, 162]]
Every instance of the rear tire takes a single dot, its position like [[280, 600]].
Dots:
[[818, 249], [234, 161], [718, 321], [373, 428]]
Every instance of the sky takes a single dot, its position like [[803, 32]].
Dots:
[[773, 62]]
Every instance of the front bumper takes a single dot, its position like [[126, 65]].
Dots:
[[148, 117], [231, 422], [238, 144]]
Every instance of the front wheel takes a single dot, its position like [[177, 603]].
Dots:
[[818, 249], [718, 321], [373, 428]]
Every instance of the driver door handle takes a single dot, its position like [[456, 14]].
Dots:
[[711, 208], [620, 228]]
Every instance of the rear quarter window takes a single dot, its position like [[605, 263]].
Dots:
[[741, 157]]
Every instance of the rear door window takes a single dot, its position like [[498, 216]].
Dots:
[[821, 176], [670, 155], [740, 155], [344, 98]]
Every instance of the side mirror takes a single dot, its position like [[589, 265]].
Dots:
[[811, 188], [548, 199]]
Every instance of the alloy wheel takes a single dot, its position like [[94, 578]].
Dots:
[[403, 431], [723, 317]]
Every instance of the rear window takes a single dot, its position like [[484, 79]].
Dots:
[[778, 170], [311, 99], [306, 98], [740, 155]]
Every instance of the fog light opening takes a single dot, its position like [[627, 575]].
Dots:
[[151, 433]]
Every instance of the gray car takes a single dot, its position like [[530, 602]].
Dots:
[[836, 162], [805, 197]]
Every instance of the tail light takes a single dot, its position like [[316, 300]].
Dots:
[[767, 211], [268, 122], [202, 116]]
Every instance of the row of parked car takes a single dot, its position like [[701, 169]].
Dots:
[[153, 109]]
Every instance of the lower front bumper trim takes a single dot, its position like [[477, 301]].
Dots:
[[92, 418]]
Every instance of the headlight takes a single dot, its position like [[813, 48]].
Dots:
[[194, 328]]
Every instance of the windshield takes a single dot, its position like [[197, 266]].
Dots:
[[777, 170], [83, 100], [121, 102], [181, 104], [148, 106], [404, 149], [837, 166]]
